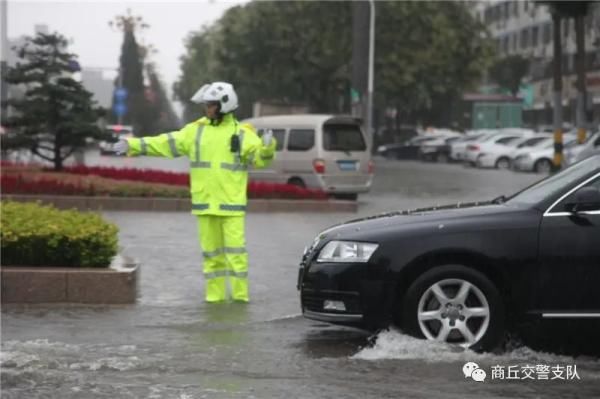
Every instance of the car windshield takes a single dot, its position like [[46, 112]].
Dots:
[[554, 184]]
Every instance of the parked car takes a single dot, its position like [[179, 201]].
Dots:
[[498, 154], [540, 158], [474, 149], [587, 149], [326, 152], [462, 273], [437, 150], [114, 132], [408, 149], [458, 149]]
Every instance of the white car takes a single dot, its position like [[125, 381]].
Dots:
[[474, 149], [540, 158], [458, 149], [587, 149], [498, 154]]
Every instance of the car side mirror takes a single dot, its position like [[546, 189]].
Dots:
[[585, 199]]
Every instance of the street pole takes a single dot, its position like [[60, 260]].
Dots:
[[580, 65], [369, 116], [558, 136], [4, 60]]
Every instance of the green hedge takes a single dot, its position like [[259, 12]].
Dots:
[[36, 235]]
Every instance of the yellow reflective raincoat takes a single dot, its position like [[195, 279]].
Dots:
[[218, 185]]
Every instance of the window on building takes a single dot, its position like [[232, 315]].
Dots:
[[524, 38], [525, 5], [505, 44], [547, 33], [565, 27], [515, 41], [534, 36], [506, 9]]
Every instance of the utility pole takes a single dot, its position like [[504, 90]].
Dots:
[[4, 60], [369, 118], [363, 54], [558, 122]]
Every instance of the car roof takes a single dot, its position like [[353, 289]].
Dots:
[[299, 119]]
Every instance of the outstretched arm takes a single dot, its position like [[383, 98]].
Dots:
[[169, 145]]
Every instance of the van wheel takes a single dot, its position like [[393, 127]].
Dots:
[[457, 305], [296, 181]]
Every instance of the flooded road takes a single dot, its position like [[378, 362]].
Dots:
[[170, 344]]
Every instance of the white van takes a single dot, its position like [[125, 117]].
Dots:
[[325, 152]]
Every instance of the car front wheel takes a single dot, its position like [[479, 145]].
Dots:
[[457, 305]]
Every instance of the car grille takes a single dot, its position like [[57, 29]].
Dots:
[[313, 301]]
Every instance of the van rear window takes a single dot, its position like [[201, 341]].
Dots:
[[343, 137]]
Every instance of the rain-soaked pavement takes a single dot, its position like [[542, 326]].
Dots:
[[173, 345]]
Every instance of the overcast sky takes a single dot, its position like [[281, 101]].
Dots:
[[85, 22]]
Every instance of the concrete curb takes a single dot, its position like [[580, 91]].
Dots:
[[116, 284], [179, 204]]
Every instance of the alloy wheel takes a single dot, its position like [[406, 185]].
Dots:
[[454, 311]]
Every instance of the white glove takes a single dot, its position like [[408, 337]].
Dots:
[[267, 137], [121, 147]]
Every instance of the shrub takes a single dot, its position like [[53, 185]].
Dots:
[[36, 235]]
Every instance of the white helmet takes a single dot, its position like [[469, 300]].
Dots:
[[221, 92]]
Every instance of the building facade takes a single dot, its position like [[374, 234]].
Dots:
[[526, 28]]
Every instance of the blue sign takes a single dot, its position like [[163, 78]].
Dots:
[[120, 94], [120, 109]]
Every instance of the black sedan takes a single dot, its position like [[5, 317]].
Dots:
[[462, 273]]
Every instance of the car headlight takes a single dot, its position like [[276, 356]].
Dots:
[[347, 251]]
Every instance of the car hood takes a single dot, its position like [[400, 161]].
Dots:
[[410, 218]]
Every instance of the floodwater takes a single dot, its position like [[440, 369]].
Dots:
[[170, 344]]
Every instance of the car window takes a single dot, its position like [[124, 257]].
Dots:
[[561, 206], [532, 142], [554, 184], [279, 135], [301, 140], [451, 140], [507, 140], [343, 137]]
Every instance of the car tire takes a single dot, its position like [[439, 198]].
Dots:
[[478, 163], [503, 163], [442, 158], [346, 196], [542, 166], [296, 181], [480, 311]]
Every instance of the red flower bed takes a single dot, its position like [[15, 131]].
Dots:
[[255, 189], [15, 183], [143, 175]]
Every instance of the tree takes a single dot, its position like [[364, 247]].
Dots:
[[56, 114], [508, 72], [426, 54], [167, 120]]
